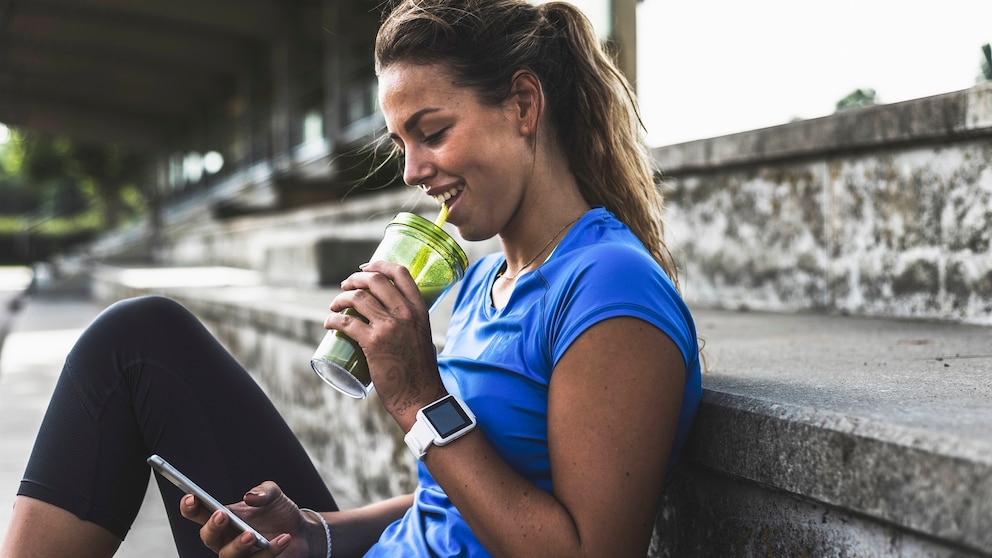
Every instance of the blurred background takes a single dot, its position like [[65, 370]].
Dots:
[[225, 153], [117, 115]]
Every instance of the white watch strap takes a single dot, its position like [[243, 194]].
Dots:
[[419, 438]]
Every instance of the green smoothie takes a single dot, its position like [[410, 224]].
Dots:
[[435, 262]]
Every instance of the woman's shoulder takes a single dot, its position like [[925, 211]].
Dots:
[[605, 264], [606, 247], [617, 267]]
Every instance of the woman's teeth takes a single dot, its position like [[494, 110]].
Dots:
[[445, 196]]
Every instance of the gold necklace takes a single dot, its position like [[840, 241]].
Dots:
[[503, 275]]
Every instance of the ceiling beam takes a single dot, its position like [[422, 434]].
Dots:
[[110, 40], [72, 67], [159, 104], [85, 123], [248, 18], [138, 71]]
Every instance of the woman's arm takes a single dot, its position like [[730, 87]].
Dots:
[[613, 408], [353, 532]]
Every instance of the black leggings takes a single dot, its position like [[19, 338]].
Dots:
[[146, 377]]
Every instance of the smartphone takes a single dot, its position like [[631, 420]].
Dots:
[[189, 487]]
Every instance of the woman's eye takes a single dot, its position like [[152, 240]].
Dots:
[[435, 137]]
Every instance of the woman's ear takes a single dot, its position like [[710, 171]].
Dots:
[[526, 101]]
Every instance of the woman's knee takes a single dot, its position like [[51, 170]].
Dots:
[[145, 306], [143, 312], [135, 322]]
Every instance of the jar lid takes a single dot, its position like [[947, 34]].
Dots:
[[434, 234]]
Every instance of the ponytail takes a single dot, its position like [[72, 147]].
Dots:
[[591, 105]]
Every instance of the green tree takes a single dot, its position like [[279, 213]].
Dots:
[[986, 63], [857, 98], [112, 171], [77, 176]]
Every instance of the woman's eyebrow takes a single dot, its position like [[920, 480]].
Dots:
[[415, 117]]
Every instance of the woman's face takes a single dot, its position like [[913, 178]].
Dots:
[[474, 156]]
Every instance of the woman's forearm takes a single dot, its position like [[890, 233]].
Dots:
[[354, 531]]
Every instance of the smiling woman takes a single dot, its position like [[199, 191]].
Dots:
[[570, 374]]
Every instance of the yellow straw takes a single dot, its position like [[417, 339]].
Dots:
[[420, 260], [442, 217]]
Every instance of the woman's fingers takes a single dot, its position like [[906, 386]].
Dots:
[[191, 509], [217, 536], [244, 545], [263, 494], [395, 335], [214, 533], [390, 284], [264, 507], [384, 295]]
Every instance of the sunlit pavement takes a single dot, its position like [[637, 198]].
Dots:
[[40, 336]]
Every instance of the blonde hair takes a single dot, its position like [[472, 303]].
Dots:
[[592, 107]]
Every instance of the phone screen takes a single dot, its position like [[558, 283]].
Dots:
[[173, 475]]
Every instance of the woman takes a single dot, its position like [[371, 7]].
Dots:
[[572, 347]]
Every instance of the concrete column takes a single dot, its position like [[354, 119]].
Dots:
[[283, 109], [623, 35], [331, 16]]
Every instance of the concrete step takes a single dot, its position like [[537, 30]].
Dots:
[[818, 435], [308, 247]]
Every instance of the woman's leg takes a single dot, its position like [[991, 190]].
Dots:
[[146, 377], [41, 530]]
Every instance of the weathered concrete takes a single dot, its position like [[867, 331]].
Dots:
[[818, 435], [312, 247], [879, 427], [884, 210], [713, 515]]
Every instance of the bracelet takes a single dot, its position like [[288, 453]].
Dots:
[[327, 528]]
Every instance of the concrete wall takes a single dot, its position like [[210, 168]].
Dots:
[[885, 210], [797, 450], [880, 211]]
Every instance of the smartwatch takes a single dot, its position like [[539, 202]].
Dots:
[[439, 423]]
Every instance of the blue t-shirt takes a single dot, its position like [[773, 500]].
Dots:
[[500, 360]]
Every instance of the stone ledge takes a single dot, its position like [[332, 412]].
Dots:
[[915, 484], [877, 427], [940, 118]]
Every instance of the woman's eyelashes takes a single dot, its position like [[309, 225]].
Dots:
[[436, 137], [430, 140]]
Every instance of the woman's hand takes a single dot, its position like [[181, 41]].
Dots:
[[396, 340], [271, 513]]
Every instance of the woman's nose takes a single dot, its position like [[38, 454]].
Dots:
[[417, 167]]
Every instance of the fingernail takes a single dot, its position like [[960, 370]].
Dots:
[[364, 265], [281, 540], [219, 518], [253, 492], [247, 538]]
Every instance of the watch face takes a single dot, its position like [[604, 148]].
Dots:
[[447, 417]]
